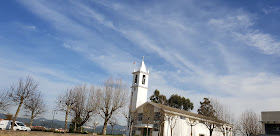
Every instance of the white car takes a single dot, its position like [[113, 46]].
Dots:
[[6, 124], [20, 126]]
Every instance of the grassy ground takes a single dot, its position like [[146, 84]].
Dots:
[[37, 133]]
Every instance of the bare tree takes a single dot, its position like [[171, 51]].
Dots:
[[249, 123], [21, 93], [5, 101], [160, 118], [113, 122], [192, 122], [131, 118], [84, 105], [129, 115], [172, 119], [126, 112], [112, 98], [224, 116], [35, 106], [65, 102]]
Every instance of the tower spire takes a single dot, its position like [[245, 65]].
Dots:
[[142, 66]]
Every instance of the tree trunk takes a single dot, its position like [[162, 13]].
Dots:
[[211, 132], [66, 116], [171, 131], [75, 126], [80, 124], [191, 129], [130, 129], [104, 127], [31, 119], [15, 117]]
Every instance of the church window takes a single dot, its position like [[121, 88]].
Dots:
[[143, 80], [135, 81], [140, 116], [157, 116]]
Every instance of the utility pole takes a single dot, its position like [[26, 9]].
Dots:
[[94, 126]]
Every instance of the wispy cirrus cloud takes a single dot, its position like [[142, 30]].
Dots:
[[240, 28], [271, 10], [266, 43]]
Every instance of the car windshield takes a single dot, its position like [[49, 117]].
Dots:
[[20, 124]]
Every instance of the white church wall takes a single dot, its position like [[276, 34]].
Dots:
[[183, 129], [200, 129]]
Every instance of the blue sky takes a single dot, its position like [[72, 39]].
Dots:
[[229, 50]]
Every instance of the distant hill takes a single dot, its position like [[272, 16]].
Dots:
[[40, 122], [118, 129]]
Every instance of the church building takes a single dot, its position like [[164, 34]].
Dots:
[[153, 119]]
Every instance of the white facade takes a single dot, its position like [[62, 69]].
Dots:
[[182, 128]]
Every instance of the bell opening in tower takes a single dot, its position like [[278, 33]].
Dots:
[[144, 78], [135, 81]]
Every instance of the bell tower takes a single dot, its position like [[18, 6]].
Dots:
[[139, 87]]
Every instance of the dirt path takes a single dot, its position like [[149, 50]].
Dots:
[[37, 133]]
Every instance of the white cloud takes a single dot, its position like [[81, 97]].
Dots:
[[264, 42], [30, 27], [271, 10], [232, 22], [240, 27]]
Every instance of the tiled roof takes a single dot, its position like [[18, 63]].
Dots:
[[168, 108], [183, 112]]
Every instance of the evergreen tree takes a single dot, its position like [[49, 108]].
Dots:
[[210, 120], [158, 98], [206, 108], [179, 102]]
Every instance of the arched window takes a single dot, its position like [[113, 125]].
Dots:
[[135, 81], [143, 80]]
